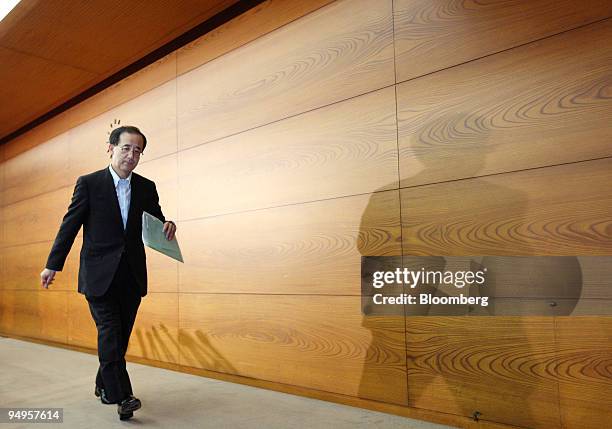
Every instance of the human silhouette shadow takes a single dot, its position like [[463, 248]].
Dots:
[[478, 367]]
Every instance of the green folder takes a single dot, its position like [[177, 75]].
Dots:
[[154, 237]]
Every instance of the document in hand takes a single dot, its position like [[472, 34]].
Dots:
[[154, 237]]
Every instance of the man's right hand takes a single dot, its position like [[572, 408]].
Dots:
[[46, 277]]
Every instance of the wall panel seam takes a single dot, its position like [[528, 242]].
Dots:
[[506, 50], [342, 196], [250, 41]]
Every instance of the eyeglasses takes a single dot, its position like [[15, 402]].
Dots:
[[127, 148]]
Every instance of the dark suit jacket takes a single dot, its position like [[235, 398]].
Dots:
[[95, 206]]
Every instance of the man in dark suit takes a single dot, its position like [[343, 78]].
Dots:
[[112, 275]]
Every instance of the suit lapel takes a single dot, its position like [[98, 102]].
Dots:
[[115, 209]]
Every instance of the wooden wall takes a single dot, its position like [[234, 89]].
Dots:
[[302, 135]]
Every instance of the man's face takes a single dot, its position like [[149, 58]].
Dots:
[[126, 154]]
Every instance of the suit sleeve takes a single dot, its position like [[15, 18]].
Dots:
[[154, 207], [73, 219]]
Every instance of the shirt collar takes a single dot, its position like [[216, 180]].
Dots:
[[116, 177]]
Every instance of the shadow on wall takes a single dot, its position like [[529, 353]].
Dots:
[[158, 344], [199, 348], [153, 343], [471, 366]]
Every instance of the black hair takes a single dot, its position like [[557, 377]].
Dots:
[[114, 136]]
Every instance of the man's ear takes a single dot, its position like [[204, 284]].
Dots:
[[110, 150]]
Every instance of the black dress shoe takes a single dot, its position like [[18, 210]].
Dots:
[[99, 392], [126, 408], [126, 416]]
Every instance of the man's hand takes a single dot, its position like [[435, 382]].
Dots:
[[46, 277], [169, 229]]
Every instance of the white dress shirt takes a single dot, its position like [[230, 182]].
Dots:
[[124, 191]]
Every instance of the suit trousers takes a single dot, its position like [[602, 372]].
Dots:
[[114, 314]]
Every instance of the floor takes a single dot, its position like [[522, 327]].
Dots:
[[34, 375]]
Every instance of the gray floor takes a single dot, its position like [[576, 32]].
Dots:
[[34, 375]]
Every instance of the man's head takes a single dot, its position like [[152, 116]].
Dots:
[[126, 144]]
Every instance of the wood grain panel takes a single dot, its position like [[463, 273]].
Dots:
[[254, 23], [163, 271], [3, 269], [65, 79], [81, 326], [163, 171], [525, 108], [127, 89], [248, 305], [307, 248], [593, 307], [584, 370], [2, 162], [495, 365], [39, 170], [23, 264], [88, 35], [53, 315], [430, 36], [36, 219], [2, 243], [563, 210], [289, 71], [71, 46], [155, 333], [35, 314], [311, 341], [596, 278], [153, 112], [343, 149], [7, 310]]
